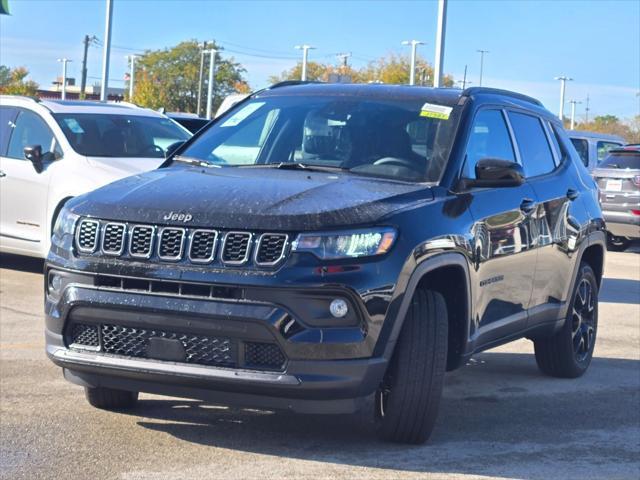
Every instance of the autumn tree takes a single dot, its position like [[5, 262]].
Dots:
[[610, 124], [13, 81], [169, 78]]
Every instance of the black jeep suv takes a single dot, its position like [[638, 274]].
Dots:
[[319, 245]]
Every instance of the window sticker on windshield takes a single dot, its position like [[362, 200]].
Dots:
[[73, 125], [431, 110], [241, 114]]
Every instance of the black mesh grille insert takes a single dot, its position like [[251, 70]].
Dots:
[[263, 355], [141, 241], [271, 248], [171, 240], [200, 349], [203, 244], [236, 247], [113, 238], [85, 335], [87, 236]]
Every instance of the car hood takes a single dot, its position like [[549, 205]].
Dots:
[[123, 167], [250, 198]]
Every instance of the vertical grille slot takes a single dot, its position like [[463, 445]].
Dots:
[[171, 243], [235, 248], [271, 248], [141, 241], [87, 234], [113, 238], [203, 246]]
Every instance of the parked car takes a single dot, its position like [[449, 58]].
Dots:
[[618, 178], [51, 151], [593, 147], [190, 121], [320, 245]]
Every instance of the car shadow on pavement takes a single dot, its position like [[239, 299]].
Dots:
[[620, 290], [21, 263], [499, 417]]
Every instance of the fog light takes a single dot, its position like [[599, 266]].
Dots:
[[338, 308], [55, 281]]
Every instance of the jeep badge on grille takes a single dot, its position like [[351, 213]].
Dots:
[[181, 217]]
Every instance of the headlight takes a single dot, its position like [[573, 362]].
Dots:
[[64, 223], [350, 244]]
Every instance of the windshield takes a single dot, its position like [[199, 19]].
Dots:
[[395, 138], [107, 135], [622, 160]]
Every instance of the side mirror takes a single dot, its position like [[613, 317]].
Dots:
[[171, 149], [494, 172], [33, 153]]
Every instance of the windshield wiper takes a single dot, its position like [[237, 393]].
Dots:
[[194, 161], [297, 166]]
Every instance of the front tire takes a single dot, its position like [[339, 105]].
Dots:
[[407, 402], [568, 353], [110, 399]]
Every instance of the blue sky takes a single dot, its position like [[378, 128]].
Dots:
[[530, 42]]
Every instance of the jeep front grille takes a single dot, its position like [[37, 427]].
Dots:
[[113, 238], [176, 244], [235, 249], [87, 235]]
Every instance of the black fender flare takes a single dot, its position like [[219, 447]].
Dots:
[[446, 259]]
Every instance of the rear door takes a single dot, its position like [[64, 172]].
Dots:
[[503, 255]]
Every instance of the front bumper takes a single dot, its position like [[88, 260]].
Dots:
[[328, 369]]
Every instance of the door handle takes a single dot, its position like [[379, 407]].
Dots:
[[572, 194], [2, 174], [527, 205]]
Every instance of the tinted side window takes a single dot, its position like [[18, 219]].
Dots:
[[489, 138], [603, 149], [29, 130], [7, 117], [582, 147], [535, 151]]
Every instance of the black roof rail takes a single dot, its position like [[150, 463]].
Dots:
[[287, 83], [497, 91]]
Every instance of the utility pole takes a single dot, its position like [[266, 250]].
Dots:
[[132, 70], [464, 79], [573, 112], [83, 80], [204, 47], [440, 36], [586, 110], [64, 77], [412, 73], [212, 64], [481, 52], [345, 59], [106, 52], [563, 81], [305, 56]]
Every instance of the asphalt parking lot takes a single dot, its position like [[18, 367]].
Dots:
[[500, 418]]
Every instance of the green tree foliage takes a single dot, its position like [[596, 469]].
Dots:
[[390, 69], [629, 130], [14, 82], [169, 78]]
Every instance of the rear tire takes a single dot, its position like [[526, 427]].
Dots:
[[110, 399], [568, 353], [617, 244], [407, 402]]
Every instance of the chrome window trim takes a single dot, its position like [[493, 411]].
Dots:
[[247, 253], [124, 239], [96, 236], [153, 235], [171, 258], [213, 250], [282, 254]]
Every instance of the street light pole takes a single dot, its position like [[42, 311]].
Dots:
[[412, 73], [106, 52], [212, 64], [563, 81], [481, 52], [305, 56], [573, 112], [64, 77], [132, 69], [204, 47], [440, 36]]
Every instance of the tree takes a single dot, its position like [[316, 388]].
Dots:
[[169, 78], [13, 81], [629, 130]]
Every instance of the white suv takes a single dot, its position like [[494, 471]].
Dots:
[[51, 151]]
